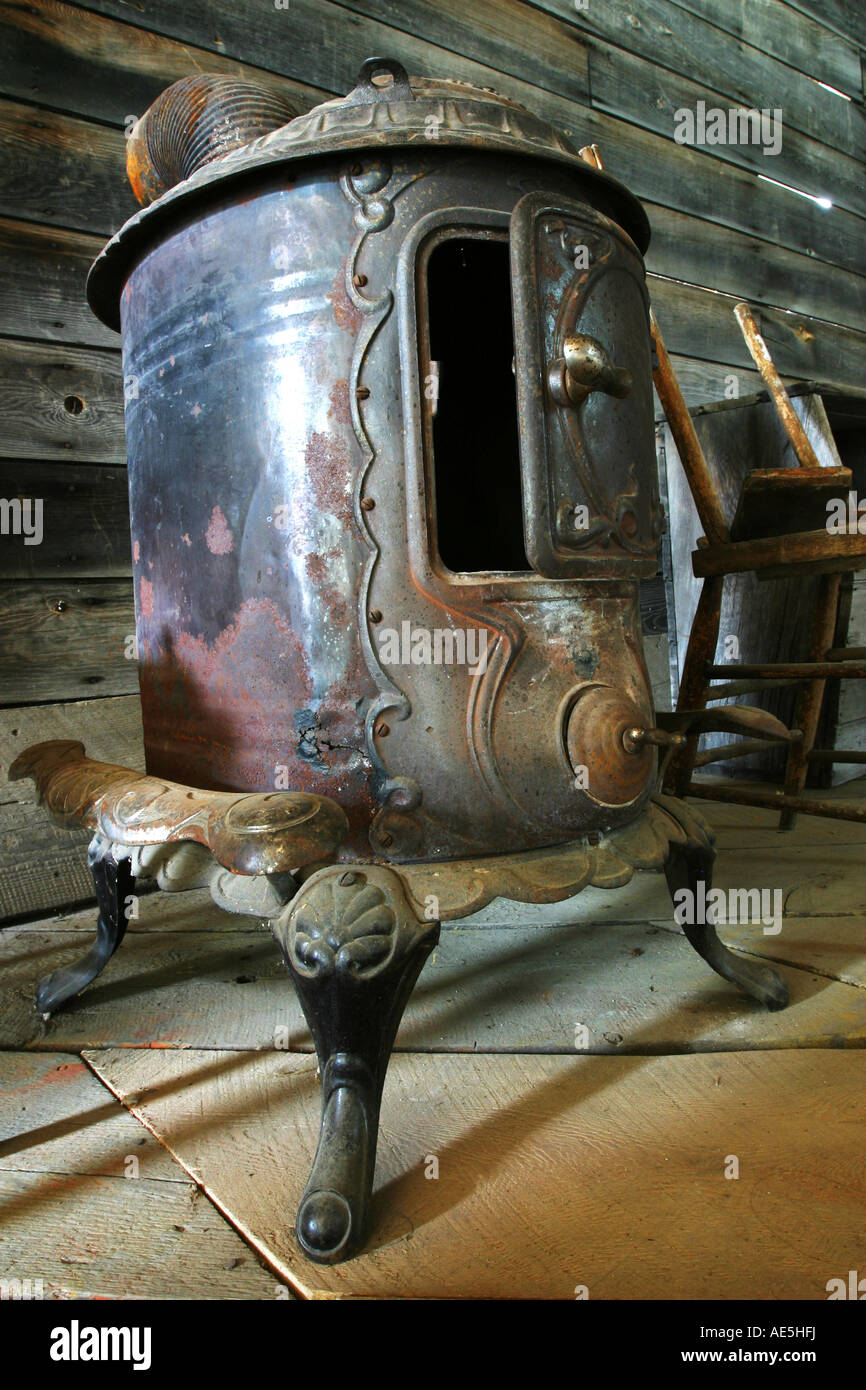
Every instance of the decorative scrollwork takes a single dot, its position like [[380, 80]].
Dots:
[[352, 922], [346, 924], [246, 832]]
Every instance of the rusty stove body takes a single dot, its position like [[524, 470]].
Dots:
[[388, 390]]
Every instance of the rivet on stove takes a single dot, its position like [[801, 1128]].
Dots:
[[386, 839], [359, 281], [367, 504], [383, 730], [375, 615], [362, 393]]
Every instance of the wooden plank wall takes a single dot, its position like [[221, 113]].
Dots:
[[71, 75]]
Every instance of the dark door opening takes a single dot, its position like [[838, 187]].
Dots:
[[476, 448]]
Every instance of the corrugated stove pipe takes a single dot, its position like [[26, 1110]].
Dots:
[[194, 121]]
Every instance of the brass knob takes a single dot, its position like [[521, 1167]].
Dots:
[[585, 367], [635, 738]]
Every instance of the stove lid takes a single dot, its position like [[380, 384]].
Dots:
[[386, 110]]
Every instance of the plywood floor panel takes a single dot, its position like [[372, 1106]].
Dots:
[[554, 1172]]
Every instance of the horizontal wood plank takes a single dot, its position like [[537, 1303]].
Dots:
[[83, 513], [703, 382], [685, 247], [667, 34], [324, 43], [66, 172], [64, 640], [55, 1117], [72, 60], [98, 1238], [43, 271], [792, 35], [640, 91], [60, 402], [507, 36], [696, 323], [842, 16]]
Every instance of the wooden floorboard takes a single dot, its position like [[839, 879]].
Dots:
[[634, 986], [93, 1206], [553, 1172], [565, 1158]]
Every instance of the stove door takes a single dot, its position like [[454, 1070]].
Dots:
[[583, 370]]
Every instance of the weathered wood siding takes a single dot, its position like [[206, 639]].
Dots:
[[71, 75]]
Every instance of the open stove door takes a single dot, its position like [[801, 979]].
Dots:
[[583, 371]]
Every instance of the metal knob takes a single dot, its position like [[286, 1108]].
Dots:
[[585, 367], [635, 738]]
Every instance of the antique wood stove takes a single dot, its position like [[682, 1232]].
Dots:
[[388, 388]]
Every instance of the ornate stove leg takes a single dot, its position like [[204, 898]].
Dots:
[[686, 866], [354, 948], [113, 882]]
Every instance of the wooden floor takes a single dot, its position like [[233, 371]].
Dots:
[[156, 1135]]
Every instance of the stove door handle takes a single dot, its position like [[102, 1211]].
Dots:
[[584, 367]]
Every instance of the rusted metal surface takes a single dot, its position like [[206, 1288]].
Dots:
[[194, 121], [805, 454], [248, 834], [453, 117], [278, 432]]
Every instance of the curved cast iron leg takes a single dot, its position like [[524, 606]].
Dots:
[[354, 948], [686, 865], [113, 882]]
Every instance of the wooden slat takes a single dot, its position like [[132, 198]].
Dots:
[[613, 1167], [689, 248], [791, 36], [669, 35], [695, 322], [36, 380], [842, 16], [94, 1206], [42, 276], [641, 91], [506, 35], [62, 56], [55, 1117], [689, 180], [89, 65], [94, 1237], [43, 866], [66, 172], [65, 640], [85, 521], [702, 382], [327, 43]]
